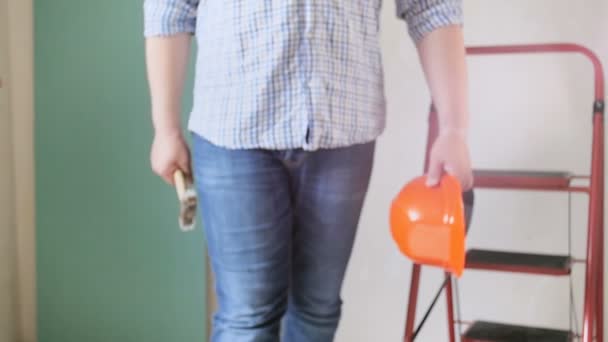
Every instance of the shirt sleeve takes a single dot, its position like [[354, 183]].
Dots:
[[424, 16], [169, 17]]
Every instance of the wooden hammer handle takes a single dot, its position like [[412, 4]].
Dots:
[[180, 183]]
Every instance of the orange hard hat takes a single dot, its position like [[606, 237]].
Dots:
[[428, 223]]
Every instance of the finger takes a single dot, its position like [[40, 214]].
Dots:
[[183, 162], [162, 174], [184, 165], [167, 176], [434, 173], [464, 178], [449, 169], [452, 171], [469, 182]]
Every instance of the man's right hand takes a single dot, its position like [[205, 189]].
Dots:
[[169, 153], [166, 62]]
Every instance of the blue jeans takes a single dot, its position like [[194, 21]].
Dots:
[[280, 227]]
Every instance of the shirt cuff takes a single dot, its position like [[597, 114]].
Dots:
[[425, 16], [166, 18]]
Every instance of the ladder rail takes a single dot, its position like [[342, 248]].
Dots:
[[548, 48], [594, 273], [449, 296], [412, 304]]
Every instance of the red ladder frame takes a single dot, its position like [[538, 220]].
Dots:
[[593, 315]]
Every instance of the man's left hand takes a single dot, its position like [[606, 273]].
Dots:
[[450, 153]]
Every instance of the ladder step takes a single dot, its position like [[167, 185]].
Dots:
[[487, 331], [513, 179], [518, 262]]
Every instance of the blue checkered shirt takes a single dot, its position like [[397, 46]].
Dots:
[[285, 74]]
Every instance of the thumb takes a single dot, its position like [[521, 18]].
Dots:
[[434, 173]]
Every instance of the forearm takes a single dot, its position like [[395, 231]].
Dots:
[[166, 61], [442, 55]]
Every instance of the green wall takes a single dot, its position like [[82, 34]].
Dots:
[[112, 263]]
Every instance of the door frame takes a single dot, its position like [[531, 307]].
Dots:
[[8, 281], [21, 109], [21, 106]]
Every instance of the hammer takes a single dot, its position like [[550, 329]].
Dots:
[[187, 201]]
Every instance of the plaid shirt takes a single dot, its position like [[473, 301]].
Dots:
[[284, 74]]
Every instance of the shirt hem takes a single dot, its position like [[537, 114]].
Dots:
[[286, 146]]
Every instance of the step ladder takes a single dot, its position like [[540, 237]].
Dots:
[[531, 263]]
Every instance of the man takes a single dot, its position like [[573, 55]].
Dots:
[[288, 102]]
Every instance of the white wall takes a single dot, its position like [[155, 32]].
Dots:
[[377, 282], [527, 112]]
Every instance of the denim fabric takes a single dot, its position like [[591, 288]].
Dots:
[[280, 226]]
